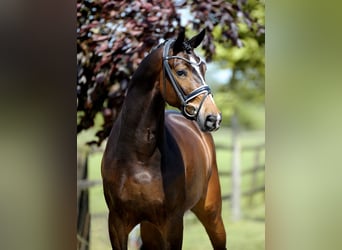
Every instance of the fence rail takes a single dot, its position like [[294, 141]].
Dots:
[[244, 172], [260, 146], [249, 193], [85, 184]]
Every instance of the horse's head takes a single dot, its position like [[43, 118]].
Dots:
[[183, 85]]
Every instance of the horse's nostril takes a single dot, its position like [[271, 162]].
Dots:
[[211, 118], [212, 122]]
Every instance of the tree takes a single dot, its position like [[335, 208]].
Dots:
[[114, 36], [245, 91]]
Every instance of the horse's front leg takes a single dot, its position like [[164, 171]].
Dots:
[[166, 235], [118, 231], [208, 211], [173, 232], [150, 236]]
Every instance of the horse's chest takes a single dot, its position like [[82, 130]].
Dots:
[[141, 187]]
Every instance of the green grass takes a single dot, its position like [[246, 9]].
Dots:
[[246, 234]]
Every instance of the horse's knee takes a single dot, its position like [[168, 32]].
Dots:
[[210, 212]]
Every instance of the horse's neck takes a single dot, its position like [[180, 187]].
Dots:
[[142, 117]]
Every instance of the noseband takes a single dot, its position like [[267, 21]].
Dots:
[[183, 97]]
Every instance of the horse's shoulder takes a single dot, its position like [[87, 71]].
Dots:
[[180, 126], [175, 120]]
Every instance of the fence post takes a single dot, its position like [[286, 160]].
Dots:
[[254, 174], [236, 172], [83, 215]]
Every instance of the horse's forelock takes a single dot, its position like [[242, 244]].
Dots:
[[187, 47]]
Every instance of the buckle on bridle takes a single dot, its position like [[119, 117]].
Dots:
[[192, 115]]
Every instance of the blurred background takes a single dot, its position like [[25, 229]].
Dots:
[[112, 40], [303, 123]]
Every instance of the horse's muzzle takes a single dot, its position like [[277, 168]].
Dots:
[[212, 122]]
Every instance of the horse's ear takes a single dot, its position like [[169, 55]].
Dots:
[[178, 45], [196, 40]]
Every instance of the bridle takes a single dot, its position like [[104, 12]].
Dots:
[[183, 97]]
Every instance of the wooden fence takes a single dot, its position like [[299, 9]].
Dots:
[[83, 215], [258, 165]]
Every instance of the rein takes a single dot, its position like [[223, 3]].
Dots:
[[184, 98]]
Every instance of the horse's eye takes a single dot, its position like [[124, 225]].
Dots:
[[181, 73]]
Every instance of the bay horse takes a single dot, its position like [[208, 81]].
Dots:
[[157, 164]]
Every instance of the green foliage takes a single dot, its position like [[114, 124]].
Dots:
[[250, 113], [244, 93]]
